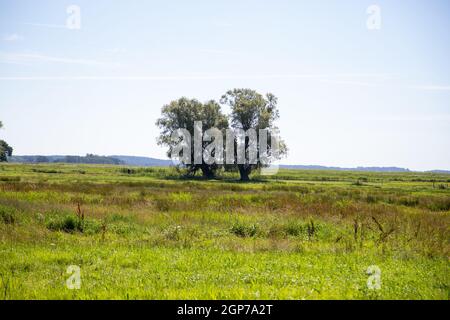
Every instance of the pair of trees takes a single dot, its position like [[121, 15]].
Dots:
[[249, 110], [5, 150]]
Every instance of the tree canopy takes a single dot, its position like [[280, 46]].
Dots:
[[181, 114], [5, 149], [249, 111]]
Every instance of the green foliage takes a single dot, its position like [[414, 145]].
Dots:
[[7, 215], [181, 114], [68, 223], [5, 151], [243, 230], [71, 223], [251, 110]]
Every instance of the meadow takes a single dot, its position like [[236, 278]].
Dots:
[[147, 233]]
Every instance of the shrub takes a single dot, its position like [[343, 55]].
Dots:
[[294, 229], [71, 223], [68, 223], [290, 228], [7, 215], [242, 230]]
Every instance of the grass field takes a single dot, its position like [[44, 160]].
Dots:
[[143, 233]]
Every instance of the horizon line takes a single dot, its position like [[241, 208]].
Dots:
[[281, 164]]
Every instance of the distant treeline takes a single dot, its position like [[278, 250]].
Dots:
[[88, 159], [153, 162], [369, 169], [93, 159]]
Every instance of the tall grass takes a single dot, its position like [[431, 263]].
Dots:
[[299, 234]]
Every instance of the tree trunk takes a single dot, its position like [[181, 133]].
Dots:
[[244, 172], [207, 172]]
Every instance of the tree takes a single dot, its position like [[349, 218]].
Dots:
[[181, 114], [5, 150], [251, 110]]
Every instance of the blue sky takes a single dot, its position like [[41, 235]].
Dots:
[[348, 96]]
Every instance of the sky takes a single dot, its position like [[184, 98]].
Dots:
[[350, 93]]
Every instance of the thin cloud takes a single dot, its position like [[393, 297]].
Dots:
[[352, 83], [12, 37], [320, 77], [45, 25], [30, 59], [431, 87]]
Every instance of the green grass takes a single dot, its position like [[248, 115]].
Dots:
[[146, 233]]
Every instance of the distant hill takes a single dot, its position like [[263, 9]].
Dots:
[[439, 171], [153, 162], [93, 159], [373, 169], [143, 161], [88, 159]]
